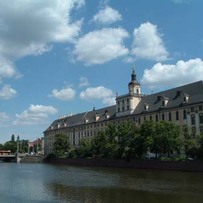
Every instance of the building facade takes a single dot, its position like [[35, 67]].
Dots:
[[181, 105]]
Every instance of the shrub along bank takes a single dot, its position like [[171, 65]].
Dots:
[[163, 140]]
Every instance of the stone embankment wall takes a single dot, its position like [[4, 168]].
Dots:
[[195, 166], [32, 159]]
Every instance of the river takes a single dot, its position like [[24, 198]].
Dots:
[[30, 183]]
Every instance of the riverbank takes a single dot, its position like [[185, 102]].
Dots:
[[32, 159], [190, 166]]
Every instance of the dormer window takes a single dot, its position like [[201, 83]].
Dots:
[[185, 98], [164, 102], [96, 117], [86, 120], [146, 107]]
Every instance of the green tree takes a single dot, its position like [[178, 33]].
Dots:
[[61, 145], [23, 146], [148, 138], [112, 136], [11, 145], [13, 138], [1, 146], [85, 149], [100, 144], [127, 132], [189, 141], [167, 137]]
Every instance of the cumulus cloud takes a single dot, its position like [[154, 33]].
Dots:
[[35, 114], [30, 27], [99, 93], [109, 101], [101, 46], [148, 43], [83, 82], [182, 72], [7, 69], [63, 94], [51, 20], [107, 16], [7, 92]]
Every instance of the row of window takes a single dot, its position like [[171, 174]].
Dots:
[[123, 108], [177, 117], [123, 101], [193, 109]]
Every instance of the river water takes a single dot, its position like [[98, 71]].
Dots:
[[31, 183]]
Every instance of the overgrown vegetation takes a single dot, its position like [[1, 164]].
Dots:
[[163, 140]]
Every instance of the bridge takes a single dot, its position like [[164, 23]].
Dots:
[[11, 157]]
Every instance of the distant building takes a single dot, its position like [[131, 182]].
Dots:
[[36, 146], [181, 105]]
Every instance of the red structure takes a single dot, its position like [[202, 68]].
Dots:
[[5, 152]]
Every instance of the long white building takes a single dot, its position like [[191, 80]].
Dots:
[[181, 105]]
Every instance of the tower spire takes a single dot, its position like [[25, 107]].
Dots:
[[133, 75], [134, 85]]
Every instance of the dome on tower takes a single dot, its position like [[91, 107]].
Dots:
[[133, 79]]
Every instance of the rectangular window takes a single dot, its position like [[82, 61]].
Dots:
[[193, 119], [150, 118], [123, 108], [169, 116], [163, 117], [192, 109], [201, 118], [177, 115], [157, 118], [200, 108], [184, 114], [139, 120]]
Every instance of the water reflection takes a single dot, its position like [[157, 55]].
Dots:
[[123, 185], [109, 195], [56, 183]]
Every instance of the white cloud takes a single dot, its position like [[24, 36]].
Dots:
[[109, 101], [30, 27], [7, 92], [107, 16], [148, 43], [99, 92], [83, 82], [63, 94], [101, 46], [51, 20], [7, 69], [182, 72], [35, 114]]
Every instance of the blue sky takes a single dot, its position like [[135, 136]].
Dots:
[[67, 56]]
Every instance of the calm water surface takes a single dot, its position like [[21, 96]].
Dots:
[[55, 183]]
